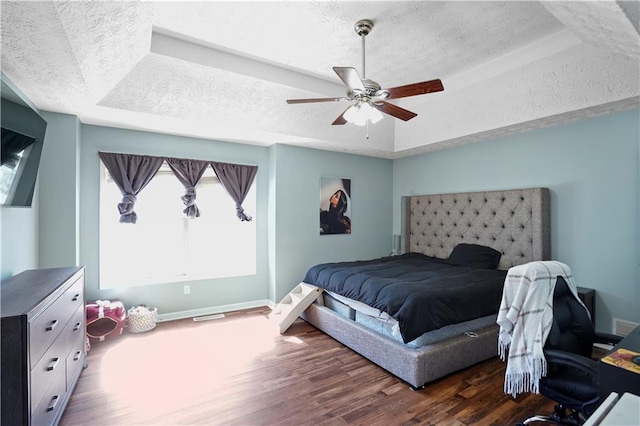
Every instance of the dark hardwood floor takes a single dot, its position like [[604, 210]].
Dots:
[[240, 371]]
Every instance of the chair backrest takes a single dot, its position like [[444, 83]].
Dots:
[[572, 330]]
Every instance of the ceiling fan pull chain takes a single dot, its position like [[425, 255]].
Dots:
[[367, 129]]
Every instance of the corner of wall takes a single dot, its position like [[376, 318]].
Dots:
[[58, 199]]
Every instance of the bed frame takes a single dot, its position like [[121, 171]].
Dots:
[[514, 222]]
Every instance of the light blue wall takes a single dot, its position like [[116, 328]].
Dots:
[[46, 235], [591, 169], [298, 244], [18, 225], [19, 238], [590, 166], [169, 298], [287, 217], [58, 200]]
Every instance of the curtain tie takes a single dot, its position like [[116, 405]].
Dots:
[[241, 214], [127, 215], [189, 197], [189, 200]]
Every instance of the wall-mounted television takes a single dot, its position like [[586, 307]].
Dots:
[[23, 131]]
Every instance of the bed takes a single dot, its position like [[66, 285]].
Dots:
[[514, 223]]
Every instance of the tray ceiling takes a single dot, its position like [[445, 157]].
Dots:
[[223, 70]]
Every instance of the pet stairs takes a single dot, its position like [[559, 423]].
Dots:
[[292, 305]]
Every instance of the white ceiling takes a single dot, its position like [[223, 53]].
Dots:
[[223, 70]]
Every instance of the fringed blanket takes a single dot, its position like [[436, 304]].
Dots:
[[525, 318]]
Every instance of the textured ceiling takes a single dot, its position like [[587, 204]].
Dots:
[[223, 70]]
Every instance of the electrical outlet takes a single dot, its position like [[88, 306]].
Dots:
[[187, 289]]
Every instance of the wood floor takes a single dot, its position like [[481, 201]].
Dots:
[[240, 371]]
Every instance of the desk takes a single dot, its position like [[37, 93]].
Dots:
[[616, 379], [616, 411]]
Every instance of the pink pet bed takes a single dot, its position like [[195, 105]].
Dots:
[[105, 320]]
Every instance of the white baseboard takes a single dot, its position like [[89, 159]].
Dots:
[[603, 346], [213, 310]]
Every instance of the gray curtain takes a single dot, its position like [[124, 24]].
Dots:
[[188, 173], [236, 179], [131, 173]]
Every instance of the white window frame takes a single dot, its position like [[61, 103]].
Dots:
[[227, 246]]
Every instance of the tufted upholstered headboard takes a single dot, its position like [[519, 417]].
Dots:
[[514, 222]]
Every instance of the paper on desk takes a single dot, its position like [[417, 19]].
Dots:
[[622, 358]]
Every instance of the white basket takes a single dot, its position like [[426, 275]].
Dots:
[[142, 318]]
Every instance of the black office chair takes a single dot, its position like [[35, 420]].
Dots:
[[572, 376]]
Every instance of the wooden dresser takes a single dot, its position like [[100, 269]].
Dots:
[[43, 343]]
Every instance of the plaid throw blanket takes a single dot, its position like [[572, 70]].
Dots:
[[525, 318]]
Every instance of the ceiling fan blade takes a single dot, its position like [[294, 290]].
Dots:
[[350, 77], [307, 101], [394, 110], [341, 120], [415, 89]]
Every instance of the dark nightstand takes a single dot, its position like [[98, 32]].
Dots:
[[588, 297]]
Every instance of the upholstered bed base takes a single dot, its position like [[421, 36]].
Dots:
[[415, 366], [514, 222]]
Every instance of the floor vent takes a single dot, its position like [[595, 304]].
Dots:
[[209, 317], [623, 327]]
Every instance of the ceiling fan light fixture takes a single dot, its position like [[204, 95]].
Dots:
[[362, 112], [352, 114], [372, 113]]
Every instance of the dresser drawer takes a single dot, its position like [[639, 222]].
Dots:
[[46, 327], [75, 327], [52, 403], [75, 362], [44, 373]]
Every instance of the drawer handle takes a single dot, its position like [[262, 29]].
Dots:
[[52, 325], [77, 326], [53, 364], [76, 297], [54, 402], [77, 355]]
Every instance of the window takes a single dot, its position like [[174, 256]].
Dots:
[[166, 246]]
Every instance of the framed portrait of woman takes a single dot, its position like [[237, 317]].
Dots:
[[335, 206]]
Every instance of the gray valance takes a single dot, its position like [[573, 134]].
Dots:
[[236, 179], [131, 173], [188, 173]]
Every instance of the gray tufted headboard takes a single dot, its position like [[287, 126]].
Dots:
[[514, 222]]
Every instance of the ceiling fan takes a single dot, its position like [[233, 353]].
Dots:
[[370, 99]]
